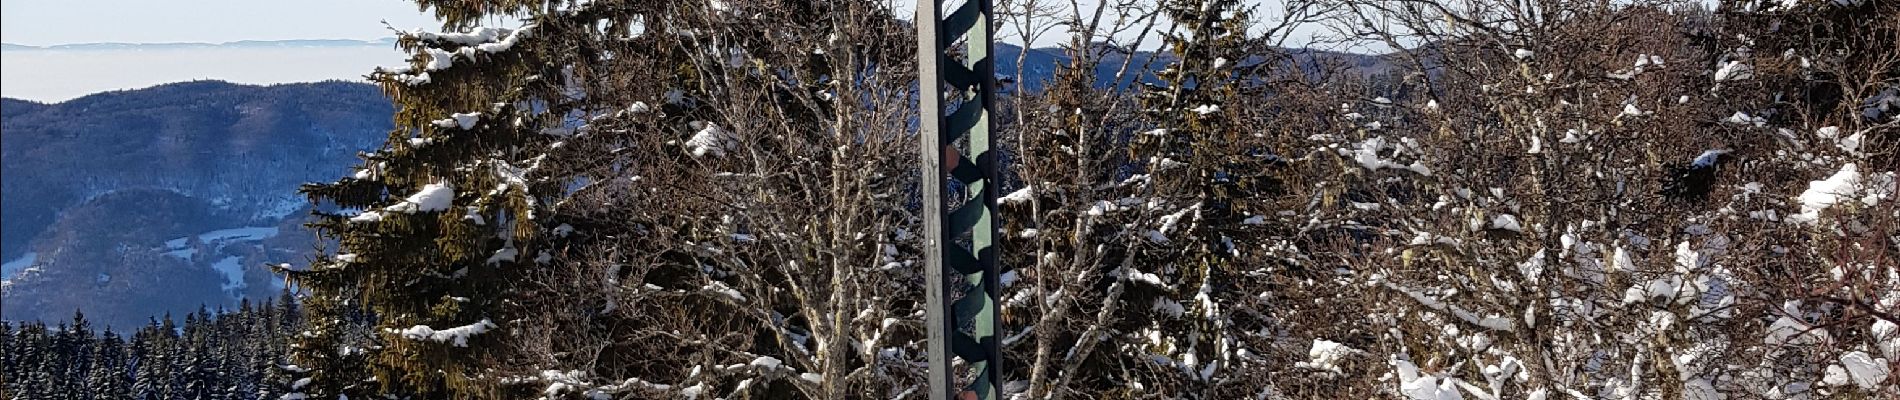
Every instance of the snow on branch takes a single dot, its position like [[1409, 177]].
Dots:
[[1491, 322], [457, 335], [1367, 154], [1844, 185], [433, 197], [468, 45], [465, 121], [710, 139], [472, 37]]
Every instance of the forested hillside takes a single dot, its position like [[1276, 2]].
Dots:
[[241, 148], [132, 204]]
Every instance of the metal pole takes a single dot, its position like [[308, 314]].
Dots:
[[971, 302]]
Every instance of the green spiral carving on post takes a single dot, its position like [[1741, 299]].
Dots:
[[963, 320]]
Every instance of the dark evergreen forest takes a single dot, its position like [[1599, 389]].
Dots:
[[212, 354]]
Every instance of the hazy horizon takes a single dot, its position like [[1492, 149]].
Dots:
[[58, 75], [52, 76]]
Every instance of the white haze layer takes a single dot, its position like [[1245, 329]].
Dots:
[[48, 75]]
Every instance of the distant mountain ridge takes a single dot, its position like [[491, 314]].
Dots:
[[125, 203], [1041, 64], [203, 45]]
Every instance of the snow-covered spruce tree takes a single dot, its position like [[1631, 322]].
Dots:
[[27, 357], [146, 352], [72, 347], [9, 361], [1148, 241], [1204, 176], [451, 207], [635, 199], [109, 378]]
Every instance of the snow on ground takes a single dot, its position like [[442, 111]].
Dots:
[[249, 233], [233, 272], [230, 266], [183, 254], [217, 239], [25, 260], [226, 236]]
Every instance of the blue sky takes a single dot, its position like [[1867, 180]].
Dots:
[[50, 22]]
